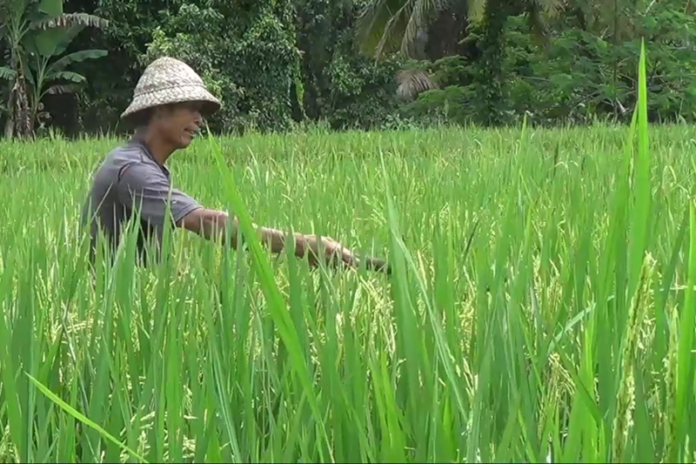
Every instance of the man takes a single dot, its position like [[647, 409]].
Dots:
[[169, 104]]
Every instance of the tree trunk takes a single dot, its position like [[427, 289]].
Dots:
[[23, 125], [496, 13], [9, 124], [9, 127], [445, 33]]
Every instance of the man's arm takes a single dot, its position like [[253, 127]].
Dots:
[[214, 225], [146, 187]]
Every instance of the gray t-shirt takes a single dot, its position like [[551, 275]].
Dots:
[[130, 180]]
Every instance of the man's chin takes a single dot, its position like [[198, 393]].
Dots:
[[185, 141]]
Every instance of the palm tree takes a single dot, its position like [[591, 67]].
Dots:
[[384, 27], [36, 31], [389, 26]]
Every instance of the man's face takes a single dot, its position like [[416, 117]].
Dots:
[[178, 124]]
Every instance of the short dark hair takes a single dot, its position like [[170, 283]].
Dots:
[[142, 118], [139, 119]]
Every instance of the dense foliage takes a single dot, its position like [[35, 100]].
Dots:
[[278, 63]]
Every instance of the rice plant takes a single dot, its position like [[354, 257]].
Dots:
[[541, 306]]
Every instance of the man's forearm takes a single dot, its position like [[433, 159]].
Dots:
[[216, 224], [276, 240]]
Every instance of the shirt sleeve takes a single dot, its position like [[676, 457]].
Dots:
[[146, 189]]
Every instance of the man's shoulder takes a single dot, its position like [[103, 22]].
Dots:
[[128, 152], [128, 157]]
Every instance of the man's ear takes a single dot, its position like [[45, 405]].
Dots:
[[158, 113], [164, 111]]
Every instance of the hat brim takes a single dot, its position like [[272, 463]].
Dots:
[[180, 94]]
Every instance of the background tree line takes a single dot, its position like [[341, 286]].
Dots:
[[72, 65]]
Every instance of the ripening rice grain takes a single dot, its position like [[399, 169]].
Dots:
[[523, 321]]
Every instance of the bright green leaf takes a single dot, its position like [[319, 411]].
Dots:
[[52, 8], [76, 57]]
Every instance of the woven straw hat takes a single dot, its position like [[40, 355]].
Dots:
[[168, 80]]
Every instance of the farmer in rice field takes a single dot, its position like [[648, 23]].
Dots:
[[167, 111]]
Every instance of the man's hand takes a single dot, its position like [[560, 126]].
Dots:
[[334, 252], [211, 224]]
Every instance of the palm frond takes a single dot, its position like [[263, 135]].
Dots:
[[385, 26], [412, 82], [372, 21], [7, 73], [550, 8], [392, 36], [421, 14], [70, 20], [415, 24]]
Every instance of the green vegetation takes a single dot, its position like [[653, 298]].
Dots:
[[36, 35], [368, 64], [539, 309]]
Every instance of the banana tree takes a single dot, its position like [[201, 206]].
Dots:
[[37, 31], [48, 75], [13, 26]]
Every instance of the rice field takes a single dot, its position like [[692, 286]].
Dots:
[[538, 310]]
